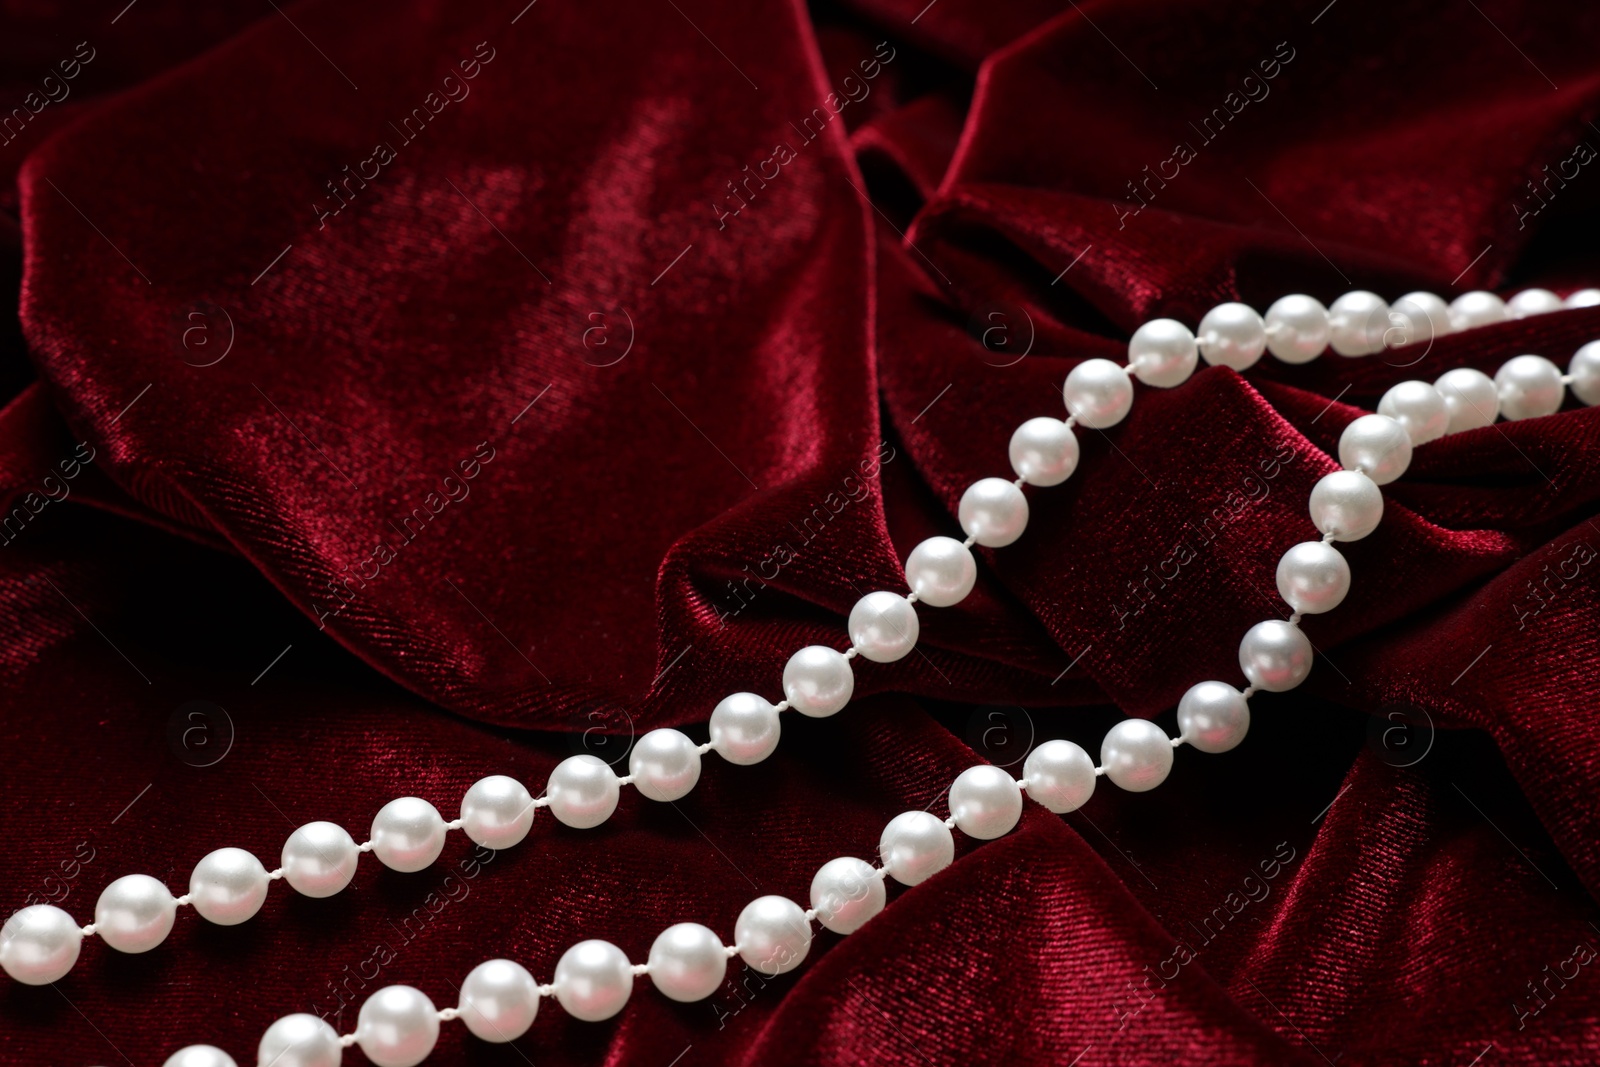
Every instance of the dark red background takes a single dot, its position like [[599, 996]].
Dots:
[[580, 592]]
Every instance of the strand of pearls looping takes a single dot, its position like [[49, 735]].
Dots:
[[398, 1025]]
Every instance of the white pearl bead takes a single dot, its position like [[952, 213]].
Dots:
[[1416, 319], [499, 1000], [228, 886], [1044, 451], [200, 1056], [665, 765], [993, 512], [915, 846], [986, 802], [583, 791], [1232, 335], [1585, 372], [1137, 755], [1583, 298], [1060, 775], [1162, 353], [1529, 386], [397, 1027], [407, 834], [1531, 302], [1098, 393], [1213, 716], [135, 913], [1419, 408], [1376, 445], [1470, 397], [817, 681], [1297, 328], [941, 571], [745, 727], [773, 934], [884, 626], [299, 1040], [1313, 577], [39, 944], [1275, 656], [319, 859], [497, 812], [845, 893], [593, 980], [1357, 322], [1477, 308], [688, 962], [1346, 504]]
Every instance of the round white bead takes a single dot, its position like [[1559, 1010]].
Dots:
[[773, 934], [665, 765], [986, 802], [200, 1056], [407, 834], [39, 944], [993, 512], [1044, 451], [1416, 319], [1098, 393], [1232, 335], [497, 812], [299, 1040], [915, 846], [817, 681], [941, 571], [1529, 386], [1060, 775], [499, 1000], [1346, 504], [1275, 656], [1357, 322], [583, 791], [1531, 302], [1583, 298], [228, 886], [593, 980], [884, 626], [1213, 716], [688, 962], [1585, 372], [1313, 577], [319, 859], [1376, 445], [845, 893], [745, 727], [1297, 328], [397, 1027], [1137, 755], [1162, 353], [135, 913], [1477, 308], [1470, 397], [1419, 408]]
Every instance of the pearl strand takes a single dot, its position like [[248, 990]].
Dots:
[[984, 801], [1136, 755], [135, 913]]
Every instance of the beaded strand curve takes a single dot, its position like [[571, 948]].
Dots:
[[773, 933]]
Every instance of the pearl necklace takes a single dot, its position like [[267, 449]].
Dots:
[[398, 1025]]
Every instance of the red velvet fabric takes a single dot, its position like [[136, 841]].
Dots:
[[456, 387]]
